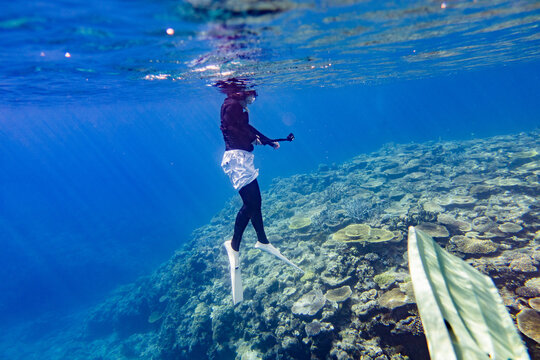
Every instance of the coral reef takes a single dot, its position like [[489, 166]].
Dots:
[[433, 230], [510, 228], [315, 328], [338, 295], [343, 225], [309, 304], [393, 299], [364, 209], [528, 321], [298, 223], [470, 245], [535, 303], [362, 233]]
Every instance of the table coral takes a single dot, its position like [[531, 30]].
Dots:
[[339, 295], [528, 322], [309, 304], [433, 230], [393, 299], [362, 233], [535, 303], [298, 222], [510, 228]]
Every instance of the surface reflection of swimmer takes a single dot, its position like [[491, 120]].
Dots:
[[237, 163], [233, 47]]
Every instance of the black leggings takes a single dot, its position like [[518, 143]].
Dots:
[[251, 210]]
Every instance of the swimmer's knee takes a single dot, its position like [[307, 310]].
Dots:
[[252, 210]]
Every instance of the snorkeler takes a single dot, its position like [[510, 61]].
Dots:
[[237, 163]]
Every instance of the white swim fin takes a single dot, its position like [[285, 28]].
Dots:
[[236, 277], [269, 248]]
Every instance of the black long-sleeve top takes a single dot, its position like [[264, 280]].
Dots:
[[237, 132]]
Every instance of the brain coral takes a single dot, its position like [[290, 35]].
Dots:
[[339, 295], [309, 304]]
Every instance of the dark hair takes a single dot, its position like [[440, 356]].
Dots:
[[235, 88]]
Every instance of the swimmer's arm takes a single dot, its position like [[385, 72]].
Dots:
[[264, 139]]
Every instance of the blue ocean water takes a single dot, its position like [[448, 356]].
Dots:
[[109, 127]]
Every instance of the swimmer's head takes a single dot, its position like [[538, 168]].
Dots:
[[248, 96], [237, 89]]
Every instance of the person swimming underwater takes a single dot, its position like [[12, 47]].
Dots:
[[237, 163]]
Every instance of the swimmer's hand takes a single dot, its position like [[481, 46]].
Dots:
[[275, 145]]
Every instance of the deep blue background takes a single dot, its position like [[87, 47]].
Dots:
[[93, 195]]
